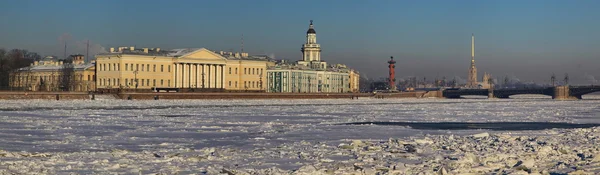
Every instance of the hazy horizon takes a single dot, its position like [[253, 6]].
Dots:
[[525, 40]]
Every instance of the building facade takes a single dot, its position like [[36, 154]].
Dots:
[[245, 72], [51, 74], [195, 69], [311, 74]]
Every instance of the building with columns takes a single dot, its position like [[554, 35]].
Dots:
[[196, 69], [311, 74]]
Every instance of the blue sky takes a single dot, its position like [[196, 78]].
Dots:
[[528, 40]]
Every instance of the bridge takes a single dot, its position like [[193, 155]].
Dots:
[[559, 92]]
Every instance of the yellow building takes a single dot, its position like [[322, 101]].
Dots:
[[354, 81], [192, 69], [51, 74], [244, 72]]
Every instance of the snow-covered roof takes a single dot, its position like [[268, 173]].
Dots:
[[56, 67], [181, 52]]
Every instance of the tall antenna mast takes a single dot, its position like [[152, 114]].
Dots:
[[65, 52], [242, 42], [87, 50]]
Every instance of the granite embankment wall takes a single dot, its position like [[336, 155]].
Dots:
[[215, 95], [150, 96], [45, 95]]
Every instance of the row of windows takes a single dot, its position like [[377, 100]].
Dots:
[[55, 77], [251, 71], [132, 82], [130, 67], [247, 84]]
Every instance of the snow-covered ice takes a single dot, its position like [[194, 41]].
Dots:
[[294, 136]]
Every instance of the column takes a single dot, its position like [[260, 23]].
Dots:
[[216, 74], [208, 77], [182, 73], [189, 72], [174, 75], [222, 76], [196, 66], [203, 76]]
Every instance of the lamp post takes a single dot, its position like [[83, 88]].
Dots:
[[260, 81], [135, 78], [202, 78]]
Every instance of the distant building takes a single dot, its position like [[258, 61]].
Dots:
[[51, 74], [311, 74], [486, 82]]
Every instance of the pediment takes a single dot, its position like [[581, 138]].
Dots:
[[202, 54]]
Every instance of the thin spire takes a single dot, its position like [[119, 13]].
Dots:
[[472, 49]]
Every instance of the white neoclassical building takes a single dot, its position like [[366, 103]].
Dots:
[[311, 74]]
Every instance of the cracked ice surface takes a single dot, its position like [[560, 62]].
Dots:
[[293, 136]]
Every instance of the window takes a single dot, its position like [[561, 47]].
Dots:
[[118, 82], [229, 81], [244, 73], [137, 67], [252, 71], [118, 67], [142, 67], [169, 70], [236, 70], [245, 86], [148, 67], [230, 73], [142, 82], [126, 81], [126, 67], [148, 82], [161, 81], [169, 81], [161, 68], [154, 80], [236, 84], [154, 68]]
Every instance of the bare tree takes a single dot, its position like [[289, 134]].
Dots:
[[10, 62], [67, 75], [553, 79], [566, 79]]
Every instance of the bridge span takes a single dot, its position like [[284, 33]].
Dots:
[[559, 92]]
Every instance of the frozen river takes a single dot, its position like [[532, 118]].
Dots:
[[88, 129]]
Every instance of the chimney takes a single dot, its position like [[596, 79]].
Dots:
[[112, 50], [131, 48], [120, 49], [221, 52], [158, 49], [237, 55], [35, 63], [145, 50]]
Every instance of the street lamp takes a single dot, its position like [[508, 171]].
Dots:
[[202, 78], [135, 78], [260, 80]]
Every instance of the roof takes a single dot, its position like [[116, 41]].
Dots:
[[181, 52], [56, 67]]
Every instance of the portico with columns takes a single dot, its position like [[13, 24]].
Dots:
[[199, 69]]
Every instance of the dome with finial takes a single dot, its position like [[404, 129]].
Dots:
[[311, 28]]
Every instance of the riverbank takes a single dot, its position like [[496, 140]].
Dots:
[[213, 95]]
